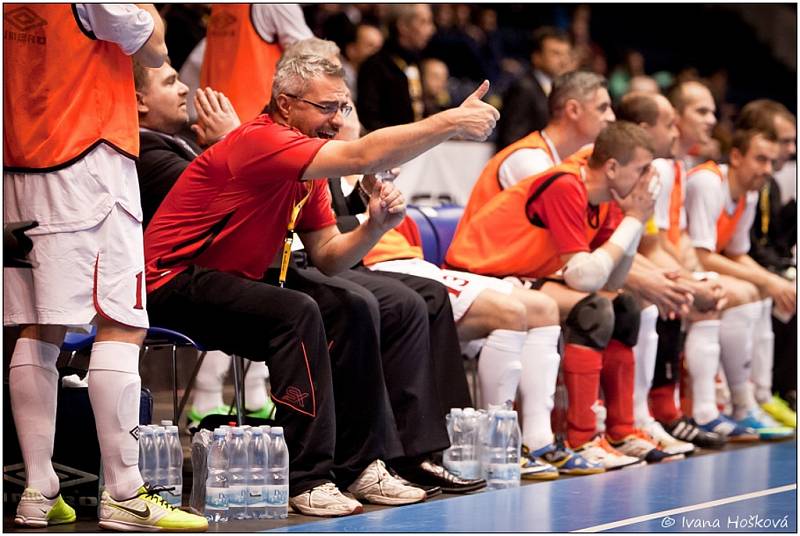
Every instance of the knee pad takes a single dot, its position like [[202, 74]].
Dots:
[[670, 343], [590, 322], [627, 317]]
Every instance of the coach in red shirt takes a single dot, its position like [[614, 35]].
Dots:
[[212, 239]]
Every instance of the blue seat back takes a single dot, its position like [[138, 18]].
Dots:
[[437, 225]]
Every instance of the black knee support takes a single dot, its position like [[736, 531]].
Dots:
[[670, 343], [627, 317], [590, 322]]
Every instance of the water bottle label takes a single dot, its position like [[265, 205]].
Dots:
[[507, 472], [216, 497], [276, 495], [237, 496], [255, 497]]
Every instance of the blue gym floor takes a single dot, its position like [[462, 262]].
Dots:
[[743, 490]]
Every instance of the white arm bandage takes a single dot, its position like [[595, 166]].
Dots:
[[588, 272], [627, 235]]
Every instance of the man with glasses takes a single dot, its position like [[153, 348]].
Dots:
[[211, 241]]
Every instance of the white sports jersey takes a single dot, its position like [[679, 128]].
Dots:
[[523, 163], [706, 198], [666, 172]]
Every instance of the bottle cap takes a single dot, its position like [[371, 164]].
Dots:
[[166, 423], [277, 430]]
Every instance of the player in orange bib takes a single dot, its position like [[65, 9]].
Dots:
[[720, 203], [575, 229], [579, 109]]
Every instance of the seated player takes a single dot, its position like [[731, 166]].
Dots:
[[574, 230], [720, 205]]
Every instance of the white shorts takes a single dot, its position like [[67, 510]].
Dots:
[[463, 287], [81, 269]]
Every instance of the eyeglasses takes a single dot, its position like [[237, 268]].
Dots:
[[329, 108]]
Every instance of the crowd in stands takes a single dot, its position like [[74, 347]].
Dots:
[[229, 175]]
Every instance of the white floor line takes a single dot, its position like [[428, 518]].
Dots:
[[699, 506]]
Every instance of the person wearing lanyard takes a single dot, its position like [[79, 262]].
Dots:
[[211, 241]]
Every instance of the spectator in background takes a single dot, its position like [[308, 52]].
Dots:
[[435, 94], [356, 43], [525, 102], [643, 84], [620, 79], [243, 45], [184, 26], [389, 83], [587, 55]]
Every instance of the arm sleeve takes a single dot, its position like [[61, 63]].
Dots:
[[124, 24], [158, 171], [522, 164], [740, 242], [562, 208], [703, 207], [666, 172], [283, 23]]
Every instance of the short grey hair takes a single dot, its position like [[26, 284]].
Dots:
[[293, 74], [578, 85], [313, 46]]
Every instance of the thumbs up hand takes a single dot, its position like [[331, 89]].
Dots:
[[476, 119]]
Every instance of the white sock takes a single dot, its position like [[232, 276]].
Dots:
[[537, 386], [208, 384], [702, 361], [114, 390], [736, 344], [763, 353], [645, 355], [33, 386], [255, 386], [499, 366]]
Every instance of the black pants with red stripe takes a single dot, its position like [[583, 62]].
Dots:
[[285, 328]]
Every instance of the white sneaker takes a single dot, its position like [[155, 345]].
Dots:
[[666, 442], [325, 500], [599, 451], [36, 510], [376, 485], [147, 511]]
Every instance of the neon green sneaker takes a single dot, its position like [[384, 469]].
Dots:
[[195, 416], [780, 411], [147, 512], [36, 510], [266, 412]]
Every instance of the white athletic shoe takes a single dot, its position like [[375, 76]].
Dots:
[[325, 500], [599, 451], [36, 510], [666, 442], [147, 511], [376, 485]]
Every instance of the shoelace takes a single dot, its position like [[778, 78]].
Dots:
[[153, 493]]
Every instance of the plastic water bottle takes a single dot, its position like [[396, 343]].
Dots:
[[147, 454], [161, 476], [276, 490], [217, 509], [257, 475], [453, 457], [238, 469], [470, 427], [175, 473], [501, 452]]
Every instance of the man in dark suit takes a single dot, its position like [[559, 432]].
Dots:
[[389, 83], [525, 103]]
